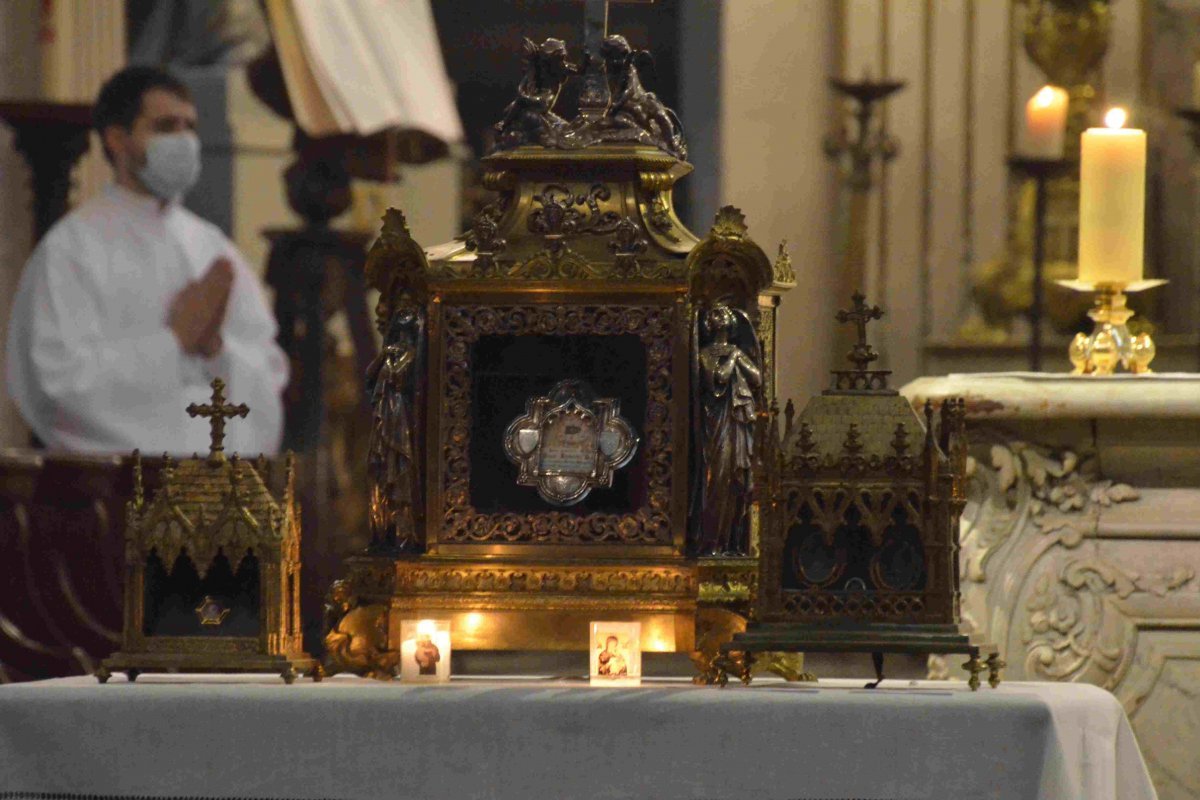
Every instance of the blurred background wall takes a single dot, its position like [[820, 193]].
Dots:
[[749, 79]]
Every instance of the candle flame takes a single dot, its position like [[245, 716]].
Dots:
[[1115, 118], [1045, 97]]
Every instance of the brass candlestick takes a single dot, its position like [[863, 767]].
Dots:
[[1110, 343]]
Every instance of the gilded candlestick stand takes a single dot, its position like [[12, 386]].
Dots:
[[1110, 343]]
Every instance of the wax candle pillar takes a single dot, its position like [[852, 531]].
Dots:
[[1112, 202], [1046, 123]]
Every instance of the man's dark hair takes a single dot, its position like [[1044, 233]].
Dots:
[[120, 98]]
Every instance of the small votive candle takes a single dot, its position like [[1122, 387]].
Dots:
[[1046, 123], [425, 650], [1112, 202]]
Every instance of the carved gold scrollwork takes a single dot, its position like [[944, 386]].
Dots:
[[356, 635], [418, 580], [655, 208], [627, 244], [558, 215], [556, 263], [727, 265]]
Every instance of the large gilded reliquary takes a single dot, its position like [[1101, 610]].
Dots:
[[565, 401]]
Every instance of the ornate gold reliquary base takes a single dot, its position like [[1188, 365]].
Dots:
[[532, 604], [207, 654]]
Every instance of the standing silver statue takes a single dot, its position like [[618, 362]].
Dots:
[[392, 448], [730, 394]]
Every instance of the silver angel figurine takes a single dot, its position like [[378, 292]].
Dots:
[[530, 118], [633, 108], [730, 383], [391, 450]]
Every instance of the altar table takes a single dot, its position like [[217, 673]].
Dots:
[[226, 737]]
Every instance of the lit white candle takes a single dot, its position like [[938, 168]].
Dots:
[[1112, 202], [1046, 123]]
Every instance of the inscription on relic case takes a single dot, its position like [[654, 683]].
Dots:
[[569, 442]]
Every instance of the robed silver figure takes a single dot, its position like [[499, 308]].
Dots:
[[392, 446], [729, 395]]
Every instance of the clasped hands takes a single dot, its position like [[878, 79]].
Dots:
[[198, 311]]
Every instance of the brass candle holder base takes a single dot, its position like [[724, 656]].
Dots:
[[1110, 344]]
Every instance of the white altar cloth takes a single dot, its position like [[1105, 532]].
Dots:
[[226, 737]]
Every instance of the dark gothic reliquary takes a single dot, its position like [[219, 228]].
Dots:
[[565, 402], [212, 576], [860, 508]]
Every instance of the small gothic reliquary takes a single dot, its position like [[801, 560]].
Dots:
[[861, 503], [212, 575]]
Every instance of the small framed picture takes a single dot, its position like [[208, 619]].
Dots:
[[616, 654], [425, 650]]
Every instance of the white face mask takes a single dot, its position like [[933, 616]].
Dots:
[[172, 164]]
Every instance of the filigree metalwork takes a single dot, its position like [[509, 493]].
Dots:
[[484, 238], [568, 443], [547, 580], [765, 328], [857, 481], [860, 534], [465, 324], [559, 217], [627, 244], [854, 606], [558, 263]]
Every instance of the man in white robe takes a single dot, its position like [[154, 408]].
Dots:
[[131, 304]]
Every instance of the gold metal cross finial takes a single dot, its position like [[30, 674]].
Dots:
[[217, 411], [862, 354]]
